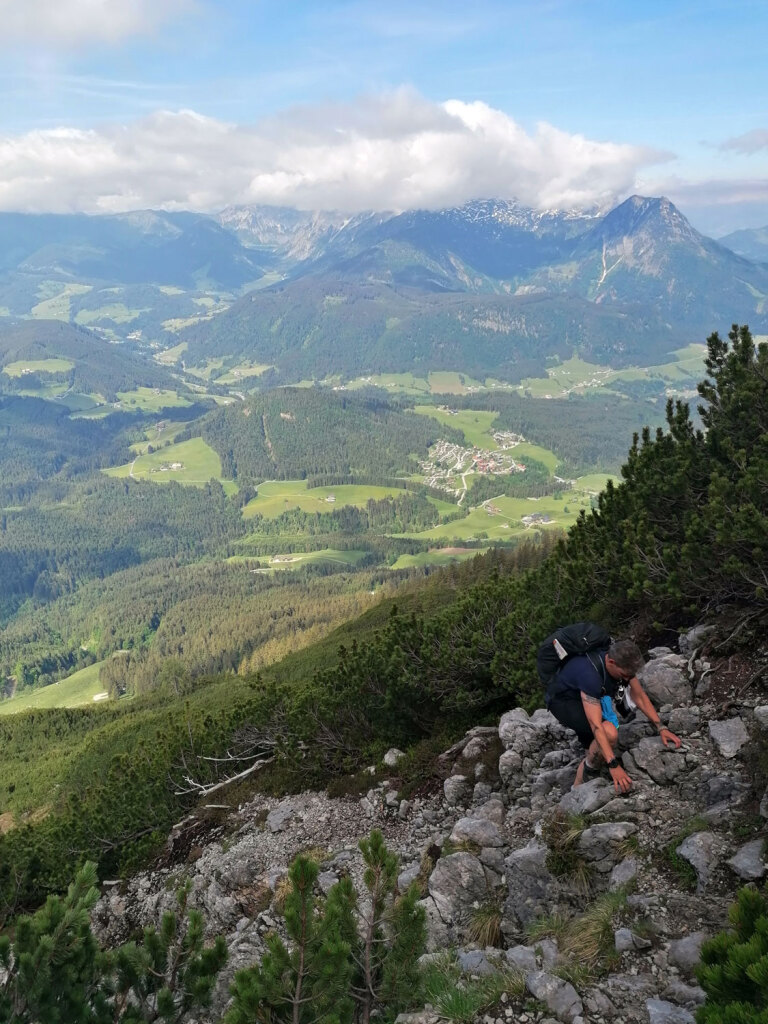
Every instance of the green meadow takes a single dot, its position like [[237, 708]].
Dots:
[[446, 382], [504, 518], [278, 496], [237, 374], [79, 688], [117, 312], [297, 559], [475, 424], [436, 556], [191, 462], [402, 383], [22, 366], [169, 356], [158, 434], [56, 299], [152, 399]]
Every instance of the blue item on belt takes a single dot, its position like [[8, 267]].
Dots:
[[609, 712]]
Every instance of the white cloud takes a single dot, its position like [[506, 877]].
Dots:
[[749, 142], [395, 152], [77, 22]]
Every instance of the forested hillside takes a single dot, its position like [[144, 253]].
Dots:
[[294, 433], [684, 535], [92, 365]]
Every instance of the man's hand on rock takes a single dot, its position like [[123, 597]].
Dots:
[[621, 781], [668, 737]]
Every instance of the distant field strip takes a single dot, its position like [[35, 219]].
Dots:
[[278, 496], [297, 559], [79, 688], [23, 366], [152, 399]]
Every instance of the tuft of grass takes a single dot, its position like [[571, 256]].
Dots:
[[459, 999], [561, 833], [485, 925], [580, 975], [283, 890], [590, 935], [552, 926]]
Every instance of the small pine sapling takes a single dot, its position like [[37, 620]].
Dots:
[[309, 983]]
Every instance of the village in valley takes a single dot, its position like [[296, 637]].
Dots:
[[449, 463]]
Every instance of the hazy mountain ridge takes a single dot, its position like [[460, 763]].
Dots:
[[493, 287], [751, 243]]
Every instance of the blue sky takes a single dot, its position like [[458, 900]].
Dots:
[[200, 103]]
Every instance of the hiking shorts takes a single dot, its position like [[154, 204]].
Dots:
[[570, 713]]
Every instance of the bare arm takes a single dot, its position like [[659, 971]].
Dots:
[[643, 701], [594, 712]]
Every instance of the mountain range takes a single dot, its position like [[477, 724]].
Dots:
[[492, 288]]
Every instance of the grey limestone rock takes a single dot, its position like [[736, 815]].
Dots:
[[521, 957], [630, 986], [439, 934], [686, 952], [510, 724], [624, 873], [279, 816], [663, 764], [684, 721], [665, 684], [723, 789], [588, 797], [764, 804], [493, 857], [474, 961], [662, 1012], [624, 939], [510, 764], [392, 756], [326, 880], [457, 882], [557, 995], [531, 887], [598, 1004], [703, 851], [407, 876], [729, 736], [748, 861], [457, 790], [598, 844], [476, 830], [694, 638], [493, 810], [761, 714], [685, 995]]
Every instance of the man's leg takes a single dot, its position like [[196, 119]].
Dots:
[[594, 758]]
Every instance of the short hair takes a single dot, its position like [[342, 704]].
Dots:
[[627, 655]]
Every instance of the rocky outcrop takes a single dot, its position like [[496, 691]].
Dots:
[[485, 840]]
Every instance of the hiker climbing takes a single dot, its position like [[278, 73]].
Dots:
[[588, 677]]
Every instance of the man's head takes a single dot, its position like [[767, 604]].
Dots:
[[624, 660]]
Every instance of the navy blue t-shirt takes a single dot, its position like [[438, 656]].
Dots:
[[585, 674]]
